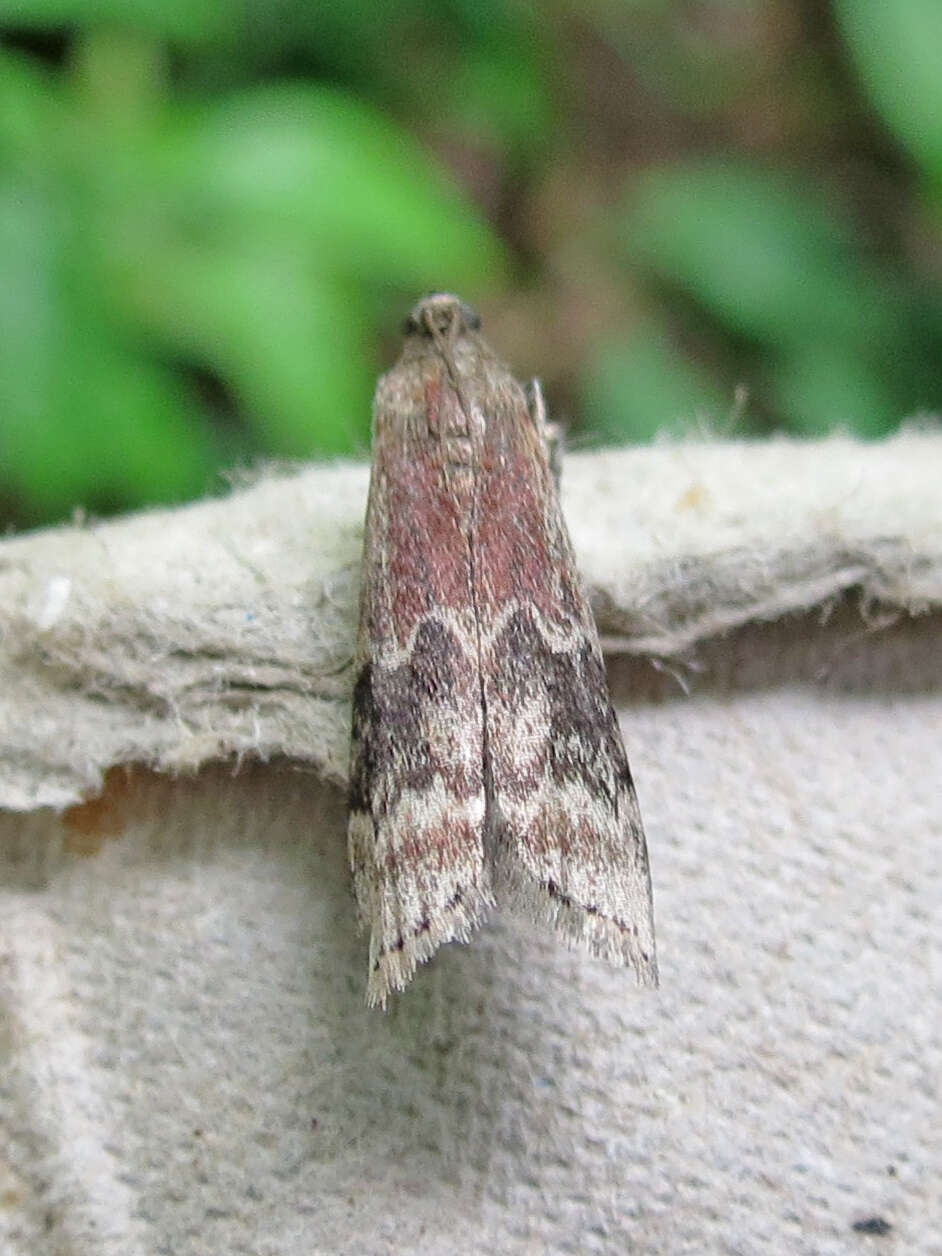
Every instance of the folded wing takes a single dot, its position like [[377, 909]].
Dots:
[[417, 770], [564, 834]]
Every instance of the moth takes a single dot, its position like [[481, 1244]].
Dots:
[[487, 765]]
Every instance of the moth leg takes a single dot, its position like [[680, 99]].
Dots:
[[551, 434]]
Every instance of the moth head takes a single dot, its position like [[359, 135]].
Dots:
[[441, 314]]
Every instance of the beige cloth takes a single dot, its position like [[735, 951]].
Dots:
[[187, 1062]]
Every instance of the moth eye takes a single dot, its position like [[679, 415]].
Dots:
[[411, 326]]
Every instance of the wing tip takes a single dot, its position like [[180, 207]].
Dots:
[[393, 964], [628, 942]]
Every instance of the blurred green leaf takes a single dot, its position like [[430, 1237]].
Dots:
[[176, 19], [251, 237], [897, 48], [313, 161], [635, 385], [758, 248], [30, 111], [502, 93], [479, 69], [821, 387], [83, 418], [270, 219], [290, 340], [767, 259]]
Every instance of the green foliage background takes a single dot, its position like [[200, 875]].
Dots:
[[213, 216]]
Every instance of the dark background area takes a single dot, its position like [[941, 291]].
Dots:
[[719, 216]]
